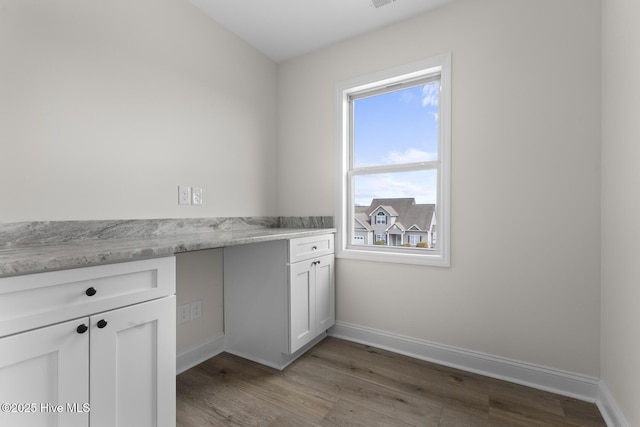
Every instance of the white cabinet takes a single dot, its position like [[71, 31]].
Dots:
[[311, 289], [279, 298], [109, 365], [311, 300], [133, 359], [47, 366]]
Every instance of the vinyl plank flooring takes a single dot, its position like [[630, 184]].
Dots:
[[349, 414], [401, 373], [581, 413], [268, 385], [205, 401], [292, 420], [340, 383], [408, 408], [452, 417]]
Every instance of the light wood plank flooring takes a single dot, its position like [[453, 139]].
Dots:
[[340, 383]]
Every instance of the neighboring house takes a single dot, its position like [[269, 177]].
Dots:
[[395, 222]]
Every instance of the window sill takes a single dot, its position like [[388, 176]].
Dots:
[[431, 258]]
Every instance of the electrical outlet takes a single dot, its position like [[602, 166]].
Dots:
[[183, 313], [196, 309], [184, 195], [196, 196]]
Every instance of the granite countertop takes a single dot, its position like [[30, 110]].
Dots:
[[75, 248]]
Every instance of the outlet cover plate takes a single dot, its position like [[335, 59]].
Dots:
[[183, 313], [196, 309], [184, 195]]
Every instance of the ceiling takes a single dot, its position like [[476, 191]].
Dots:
[[284, 29]]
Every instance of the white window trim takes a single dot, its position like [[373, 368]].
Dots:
[[442, 256]]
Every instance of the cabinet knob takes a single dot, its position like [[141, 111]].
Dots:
[[91, 291], [102, 323], [313, 248], [82, 329]]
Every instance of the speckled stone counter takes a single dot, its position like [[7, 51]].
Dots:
[[29, 247]]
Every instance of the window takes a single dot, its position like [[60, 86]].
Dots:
[[394, 156]]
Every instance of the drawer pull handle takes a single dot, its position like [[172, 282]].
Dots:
[[82, 329], [313, 248], [91, 291], [102, 323]]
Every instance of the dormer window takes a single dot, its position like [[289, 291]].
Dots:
[[381, 218]]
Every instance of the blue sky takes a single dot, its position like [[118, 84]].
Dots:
[[393, 128]]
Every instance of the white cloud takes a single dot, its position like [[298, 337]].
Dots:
[[411, 155], [430, 95], [407, 96], [418, 185]]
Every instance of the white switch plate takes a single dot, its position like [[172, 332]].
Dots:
[[196, 309], [183, 313], [184, 195], [196, 196]]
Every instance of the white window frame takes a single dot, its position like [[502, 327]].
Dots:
[[441, 256]]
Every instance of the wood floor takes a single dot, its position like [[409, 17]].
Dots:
[[340, 383]]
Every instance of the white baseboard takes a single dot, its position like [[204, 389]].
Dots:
[[284, 360], [195, 355], [578, 386], [556, 381], [198, 354], [609, 408]]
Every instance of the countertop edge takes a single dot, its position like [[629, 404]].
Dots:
[[43, 258]]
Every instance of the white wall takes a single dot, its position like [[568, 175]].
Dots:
[[199, 276], [105, 107], [524, 281], [621, 204]]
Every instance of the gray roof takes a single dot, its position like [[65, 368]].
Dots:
[[363, 218], [387, 208], [408, 211]]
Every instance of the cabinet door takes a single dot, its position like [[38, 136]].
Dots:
[[325, 293], [302, 309], [133, 365], [45, 373]]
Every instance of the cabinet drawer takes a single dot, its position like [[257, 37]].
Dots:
[[310, 247], [35, 300]]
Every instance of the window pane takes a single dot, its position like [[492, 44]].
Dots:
[[396, 127], [421, 185], [395, 209]]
